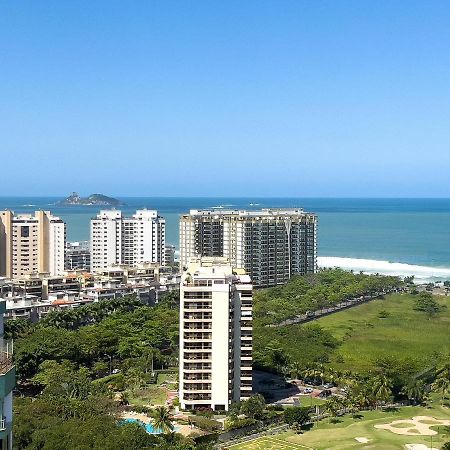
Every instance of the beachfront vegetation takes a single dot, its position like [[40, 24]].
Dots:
[[326, 288]]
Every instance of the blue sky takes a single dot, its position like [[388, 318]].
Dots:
[[301, 98]]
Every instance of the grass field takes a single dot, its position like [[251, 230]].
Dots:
[[342, 435], [268, 443], [404, 333]]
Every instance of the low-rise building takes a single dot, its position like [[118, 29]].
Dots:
[[33, 296]]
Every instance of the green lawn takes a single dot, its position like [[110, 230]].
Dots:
[[268, 443], [404, 333], [170, 378], [341, 435], [153, 395]]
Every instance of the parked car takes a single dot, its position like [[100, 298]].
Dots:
[[308, 390], [328, 385]]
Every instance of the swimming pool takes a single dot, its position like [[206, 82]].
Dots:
[[148, 426]]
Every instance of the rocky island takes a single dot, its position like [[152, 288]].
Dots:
[[92, 200]]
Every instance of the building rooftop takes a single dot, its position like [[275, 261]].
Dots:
[[265, 212], [207, 267]]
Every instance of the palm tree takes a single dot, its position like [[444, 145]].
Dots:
[[334, 376], [382, 388], [352, 404], [415, 391], [444, 371], [321, 372], [332, 406], [162, 419], [441, 385], [295, 370]]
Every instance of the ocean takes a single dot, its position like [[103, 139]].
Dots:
[[398, 236]]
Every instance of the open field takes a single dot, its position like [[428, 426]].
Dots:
[[344, 434], [403, 333]]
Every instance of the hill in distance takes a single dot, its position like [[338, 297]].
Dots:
[[93, 200]]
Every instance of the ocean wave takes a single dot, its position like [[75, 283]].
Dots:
[[420, 273]]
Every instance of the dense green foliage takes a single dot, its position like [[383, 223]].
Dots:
[[384, 349], [249, 412], [425, 302], [73, 413], [297, 415], [313, 292], [125, 333], [276, 348], [67, 358]]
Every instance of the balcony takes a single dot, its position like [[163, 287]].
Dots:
[[6, 352]]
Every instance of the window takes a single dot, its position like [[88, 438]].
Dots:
[[25, 231]]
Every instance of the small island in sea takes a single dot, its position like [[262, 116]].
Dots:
[[93, 200]]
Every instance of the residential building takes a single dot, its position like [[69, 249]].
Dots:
[[7, 383], [116, 239], [169, 255], [270, 244], [78, 256], [33, 296], [31, 243], [215, 335]]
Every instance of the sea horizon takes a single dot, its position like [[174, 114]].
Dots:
[[399, 236]]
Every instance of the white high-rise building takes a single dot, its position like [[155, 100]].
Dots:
[[31, 244], [215, 335], [271, 244], [116, 239]]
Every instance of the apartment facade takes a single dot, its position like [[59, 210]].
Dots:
[[270, 244], [215, 335], [116, 239], [31, 244], [78, 256]]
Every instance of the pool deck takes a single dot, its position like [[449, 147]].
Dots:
[[185, 430]]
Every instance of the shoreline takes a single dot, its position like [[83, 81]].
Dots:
[[422, 274]]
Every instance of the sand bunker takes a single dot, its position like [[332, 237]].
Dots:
[[419, 447], [362, 440], [419, 425]]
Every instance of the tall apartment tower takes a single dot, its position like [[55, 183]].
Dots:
[[116, 239], [7, 383], [215, 335], [31, 244], [271, 244]]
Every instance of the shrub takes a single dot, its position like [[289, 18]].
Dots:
[[238, 423], [297, 414], [206, 424], [274, 408], [204, 411]]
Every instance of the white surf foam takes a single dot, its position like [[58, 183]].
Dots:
[[421, 273]]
